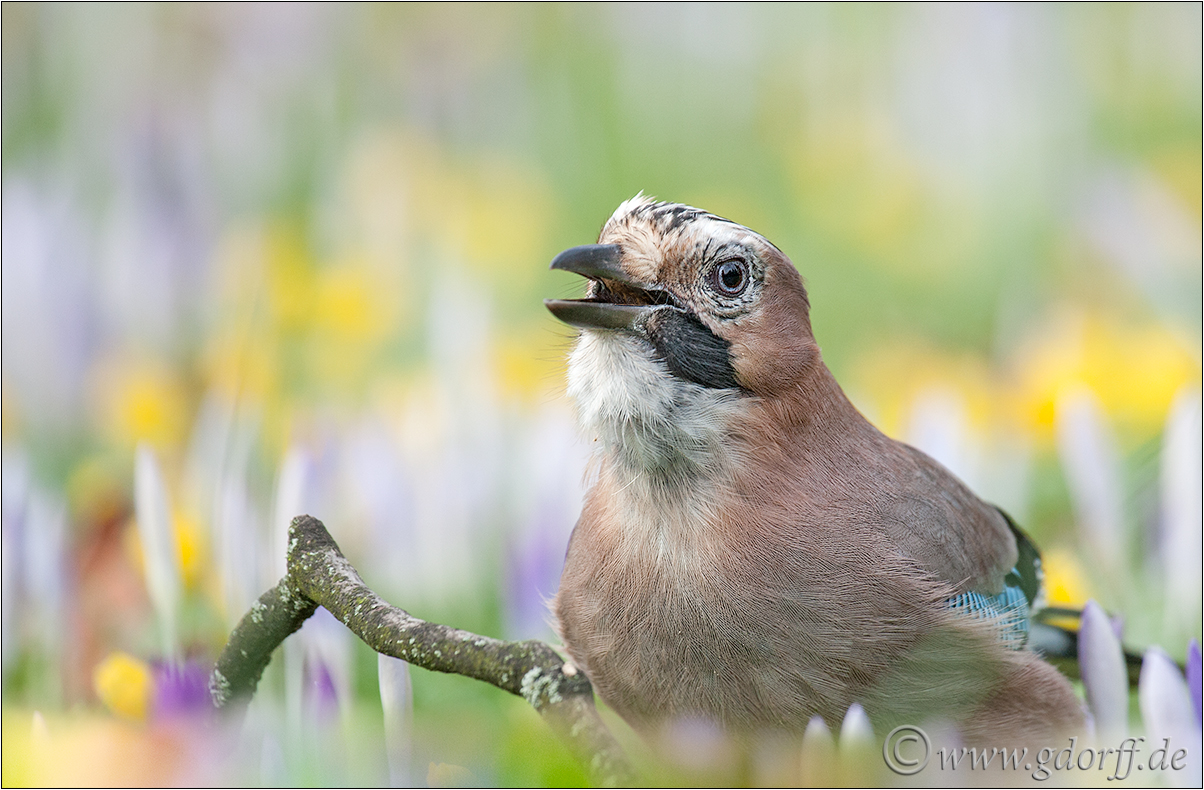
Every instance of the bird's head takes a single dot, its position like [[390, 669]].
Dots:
[[689, 319], [716, 303]]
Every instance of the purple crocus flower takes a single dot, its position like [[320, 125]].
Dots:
[[1180, 533], [1102, 663], [856, 730], [397, 704], [547, 503], [533, 573], [1194, 678], [321, 696], [817, 760], [1170, 717], [698, 744], [181, 690], [1091, 462]]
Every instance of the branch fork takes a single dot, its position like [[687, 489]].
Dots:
[[319, 575]]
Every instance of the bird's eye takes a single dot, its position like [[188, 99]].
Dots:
[[730, 277]]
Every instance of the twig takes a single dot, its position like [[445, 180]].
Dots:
[[319, 574]]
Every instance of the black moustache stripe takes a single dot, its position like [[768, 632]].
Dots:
[[691, 350]]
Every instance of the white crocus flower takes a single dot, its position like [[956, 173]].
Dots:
[[159, 550]]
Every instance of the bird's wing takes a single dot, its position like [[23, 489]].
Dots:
[[1009, 610], [937, 520], [1022, 593], [1028, 574], [1053, 631]]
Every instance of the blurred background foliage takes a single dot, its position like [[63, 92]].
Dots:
[[297, 254]]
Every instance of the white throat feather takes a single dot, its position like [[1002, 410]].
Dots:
[[653, 423]]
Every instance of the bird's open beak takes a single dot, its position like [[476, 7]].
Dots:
[[595, 261], [614, 300]]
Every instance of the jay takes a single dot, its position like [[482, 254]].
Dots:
[[753, 551]]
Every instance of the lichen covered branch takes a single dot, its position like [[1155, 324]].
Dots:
[[278, 613], [319, 574]]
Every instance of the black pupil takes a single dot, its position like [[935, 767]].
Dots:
[[731, 276]]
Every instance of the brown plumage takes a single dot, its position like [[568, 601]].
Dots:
[[754, 552]]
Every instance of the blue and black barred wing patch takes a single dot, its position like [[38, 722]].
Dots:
[[1009, 611], [1022, 593]]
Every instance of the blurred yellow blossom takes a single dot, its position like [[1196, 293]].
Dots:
[[190, 542], [1134, 369], [352, 319], [1065, 582], [242, 363], [508, 214], [143, 399], [350, 305], [532, 363], [493, 212], [858, 183], [1181, 168], [893, 374], [260, 286], [82, 748], [1066, 585], [124, 685], [290, 279], [22, 751]]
